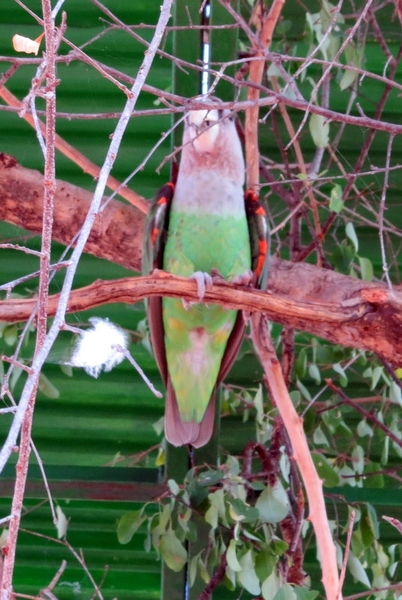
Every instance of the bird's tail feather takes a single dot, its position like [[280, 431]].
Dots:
[[180, 433]]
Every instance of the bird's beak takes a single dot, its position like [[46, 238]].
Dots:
[[204, 129]]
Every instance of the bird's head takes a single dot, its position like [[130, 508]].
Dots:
[[211, 142], [204, 127]]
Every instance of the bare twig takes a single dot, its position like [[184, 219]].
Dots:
[[49, 67], [352, 517], [266, 29], [301, 452], [385, 266], [78, 158], [40, 357]]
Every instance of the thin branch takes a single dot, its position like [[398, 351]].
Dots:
[[383, 199], [39, 359], [338, 308], [301, 453], [255, 76], [365, 413], [49, 68], [78, 158], [351, 523]]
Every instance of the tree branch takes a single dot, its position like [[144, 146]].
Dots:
[[117, 230], [337, 308], [302, 455]]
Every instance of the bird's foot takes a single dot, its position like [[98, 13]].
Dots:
[[204, 283], [245, 278]]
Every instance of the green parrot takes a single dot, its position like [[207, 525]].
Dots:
[[200, 225]]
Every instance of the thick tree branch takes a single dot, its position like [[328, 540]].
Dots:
[[335, 307], [117, 231], [340, 309]]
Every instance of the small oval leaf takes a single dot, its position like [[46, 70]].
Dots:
[[128, 525], [173, 551], [319, 129], [247, 576], [273, 503], [231, 556]]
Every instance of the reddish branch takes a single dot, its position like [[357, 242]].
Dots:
[[338, 308], [265, 24], [117, 230], [76, 156], [301, 455]]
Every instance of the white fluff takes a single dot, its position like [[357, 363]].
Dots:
[[98, 348]]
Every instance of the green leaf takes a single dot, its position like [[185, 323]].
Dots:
[[366, 268], [15, 375], [270, 586], [192, 571], [295, 397], [183, 518], [347, 79], [47, 388], [210, 477], [164, 517], [395, 393], [337, 367], [363, 429], [128, 524], [285, 592], [273, 503], [357, 570], [368, 524], [301, 364], [320, 438], [173, 487], [376, 374], [232, 466], [314, 373], [358, 459], [197, 493], [265, 562], [61, 524], [353, 58], [66, 369], [336, 204], [247, 514], [173, 551], [325, 471], [230, 578], [319, 129], [10, 334], [258, 402], [217, 509], [303, 390], [303, 594], [374, 481], [247, 576], [3, 326], [351, 234], [231, 556]]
